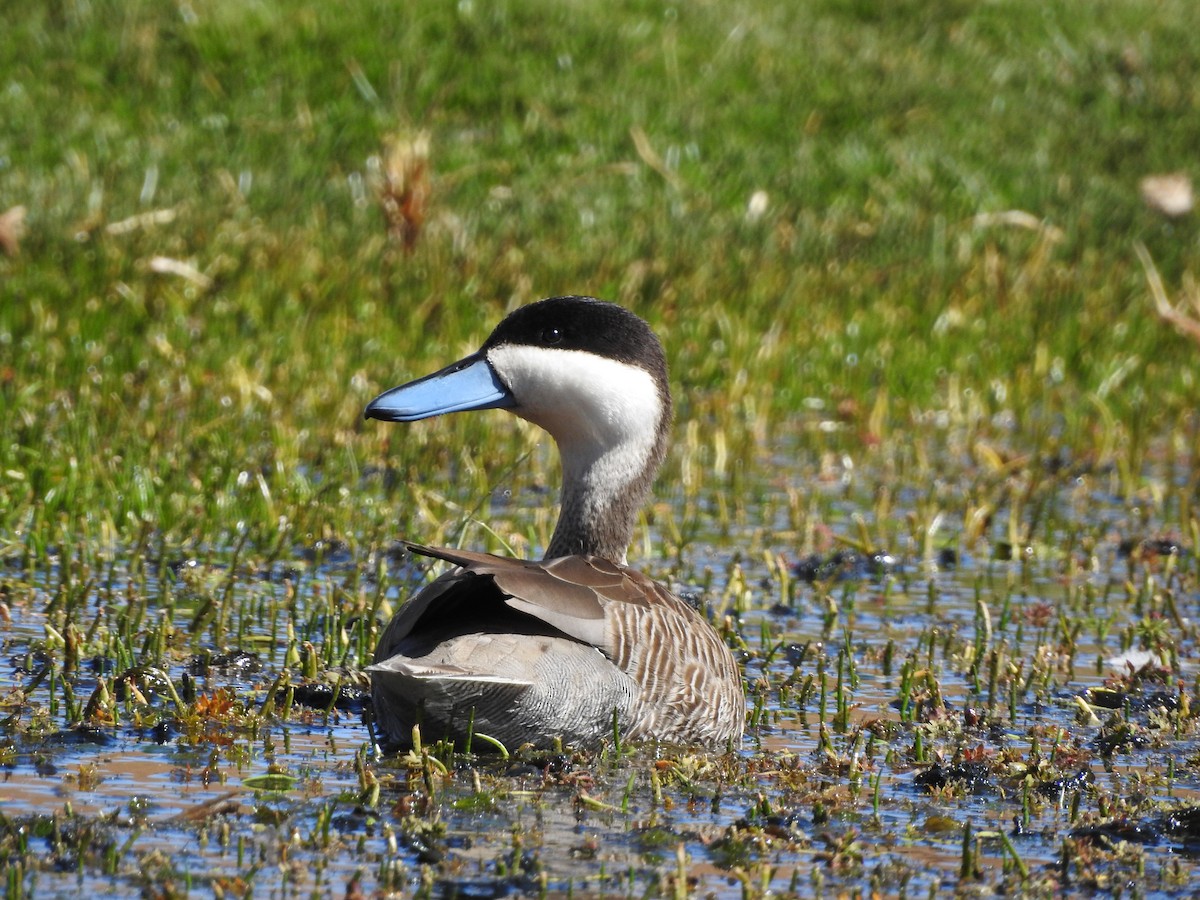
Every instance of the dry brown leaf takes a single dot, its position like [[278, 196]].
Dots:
[[12, 229], [404, 193]]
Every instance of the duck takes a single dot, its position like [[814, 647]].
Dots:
[[574, 645]]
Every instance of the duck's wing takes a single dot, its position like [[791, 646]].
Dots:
[[574, 594], [484, 588]]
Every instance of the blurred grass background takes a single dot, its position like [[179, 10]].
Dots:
[[888, 219]]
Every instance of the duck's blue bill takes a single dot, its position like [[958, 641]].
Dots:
[[470, 383]]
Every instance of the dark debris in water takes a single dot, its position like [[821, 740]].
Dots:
[[845, 565], [426, 844], [1180, 825], [163, 731], [1131, 710], [145, 679], [101, 665], [796, 653], [972, 776], [33, 662], [179, 567], [328, 552], [278, 573], [82, 735], [1134, 701], [1122, 737], [319, 695], [922, 707], [1183, 824], [791, 824], [1149, 548], [1007, 552], [234, 663], [1062, 785]]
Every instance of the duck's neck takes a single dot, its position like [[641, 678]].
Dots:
[[603, 489]]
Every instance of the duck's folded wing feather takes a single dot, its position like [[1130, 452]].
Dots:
[[411, 669], [566, 586], [574, 594]]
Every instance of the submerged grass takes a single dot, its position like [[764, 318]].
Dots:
[[893, 254]]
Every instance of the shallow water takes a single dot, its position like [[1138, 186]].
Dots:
[[872, 796]]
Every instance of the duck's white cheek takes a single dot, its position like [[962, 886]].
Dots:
[[577, 395]]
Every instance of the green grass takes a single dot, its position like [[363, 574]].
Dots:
[[878, 136], [881, 322]]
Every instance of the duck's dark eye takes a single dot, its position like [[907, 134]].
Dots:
[[552, 335]]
